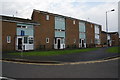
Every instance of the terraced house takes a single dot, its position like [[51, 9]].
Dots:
[[47, 31], [60, 32], [17, 34]]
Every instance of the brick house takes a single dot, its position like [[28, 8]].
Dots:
[[103, 38], [113, 39], [47, 31], [17, 34], [65, 32]]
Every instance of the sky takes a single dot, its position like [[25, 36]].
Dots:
[[90, 10]]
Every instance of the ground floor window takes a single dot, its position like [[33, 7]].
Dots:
[[97, 41], [31, 40], [25, 40], [47, 40], [8, 39], [74, 40]]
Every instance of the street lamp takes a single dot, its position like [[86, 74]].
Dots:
[[107, 24]]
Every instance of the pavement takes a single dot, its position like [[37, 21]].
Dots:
[[99, 54]]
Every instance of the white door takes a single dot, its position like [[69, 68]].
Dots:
[[82, 43], [59, 43], [25, 43]]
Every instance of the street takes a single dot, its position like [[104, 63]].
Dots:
[[107, 69]]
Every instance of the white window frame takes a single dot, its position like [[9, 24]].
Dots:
[[47, 17], [47, 40], [74, 40], [91, 41], [91, 26], [73, 21], [30, 39], [8, 39], [97, 29]]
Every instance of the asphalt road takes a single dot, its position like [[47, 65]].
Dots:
[[107, 69]]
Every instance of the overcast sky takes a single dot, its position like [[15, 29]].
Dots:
[[90, 10]]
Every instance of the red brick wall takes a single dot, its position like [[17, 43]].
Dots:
[[103, 38], [72, 32], [8, 29], [45, 30], [115, 39], [90, 35]]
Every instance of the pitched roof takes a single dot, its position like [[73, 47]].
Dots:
[[39, 11], [17, 20]]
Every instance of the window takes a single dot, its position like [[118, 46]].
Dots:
[[22, 33], [97, 30], [91, 25], [47, 17], [25, 40], [30, 40], [82, 27], [47, 40], [91, 41], [18, 26], [73, 21], [97, 36], [97, 41], [62, 41], [24, 26], [108, 36], [82, 35], [8, 39], [74, 40]]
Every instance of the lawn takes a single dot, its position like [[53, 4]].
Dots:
[[113, 49], [55, 52]]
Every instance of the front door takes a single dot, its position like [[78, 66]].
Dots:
[[59, 43], [19, 43], [82, 42]]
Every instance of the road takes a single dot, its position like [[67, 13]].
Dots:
[[108, 69]]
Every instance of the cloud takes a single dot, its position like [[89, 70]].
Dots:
[[81, 9]]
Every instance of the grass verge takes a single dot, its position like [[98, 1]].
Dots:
[[113, 50], [55, 52]]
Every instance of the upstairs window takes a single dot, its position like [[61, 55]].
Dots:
[[91, 26], [22, 33], [18, 26], [73, 21], [47, 17], [24, 26], [97, 30], [8, 39]]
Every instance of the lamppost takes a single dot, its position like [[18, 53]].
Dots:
[[107, 24]]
